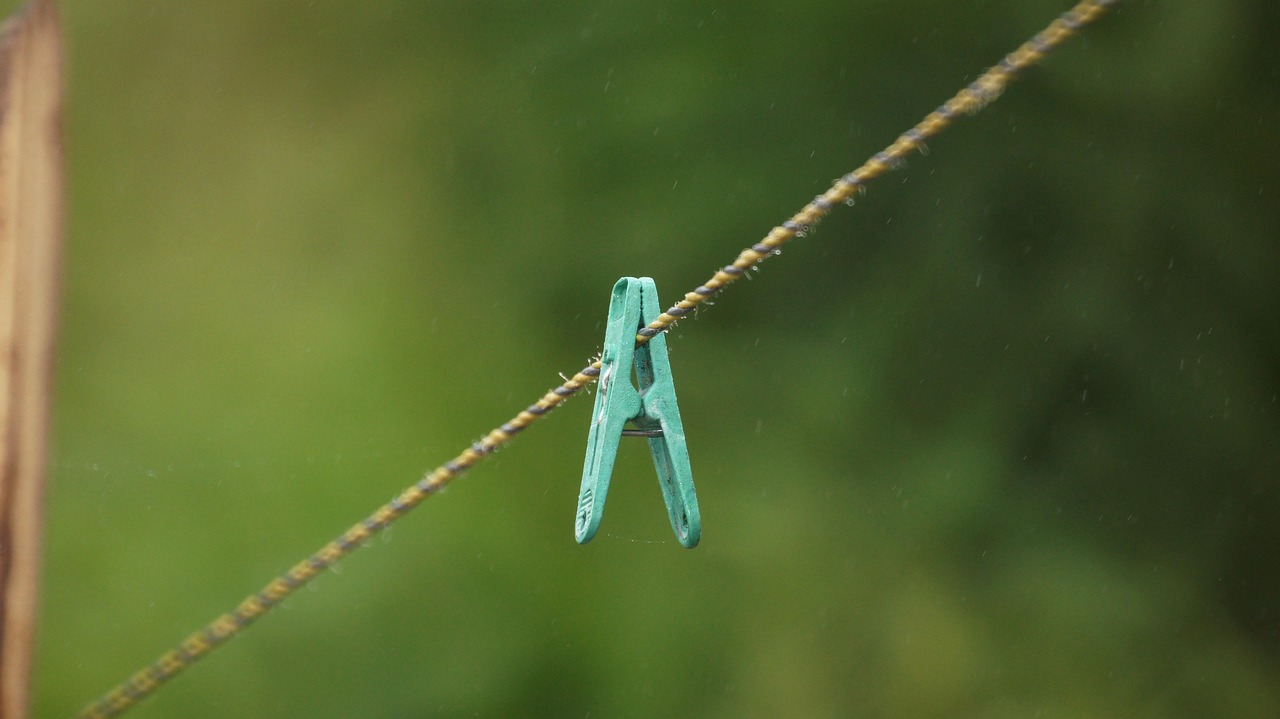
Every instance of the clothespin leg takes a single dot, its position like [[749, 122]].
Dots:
[[617, 401], [659, 409]]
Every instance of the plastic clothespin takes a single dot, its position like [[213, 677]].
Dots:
[[652, 409]]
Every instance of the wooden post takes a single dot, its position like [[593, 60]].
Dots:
[[30, 233]]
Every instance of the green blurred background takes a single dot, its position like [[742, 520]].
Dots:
[[1000, 441]]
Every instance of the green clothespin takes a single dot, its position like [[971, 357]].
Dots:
[[652, 409]]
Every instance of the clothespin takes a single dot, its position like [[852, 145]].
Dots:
[[652, 410]]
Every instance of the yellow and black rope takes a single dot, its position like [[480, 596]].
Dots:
[[966, 102]]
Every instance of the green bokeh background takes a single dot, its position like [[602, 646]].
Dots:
[[1000, 441]]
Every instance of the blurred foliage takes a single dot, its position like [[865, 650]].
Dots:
[[999, 441]]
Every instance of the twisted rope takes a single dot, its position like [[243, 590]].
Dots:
[[968, 101]]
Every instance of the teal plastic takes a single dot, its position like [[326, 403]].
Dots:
[[653, 406]]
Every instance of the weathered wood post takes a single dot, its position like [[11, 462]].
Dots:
[[30, 234]]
